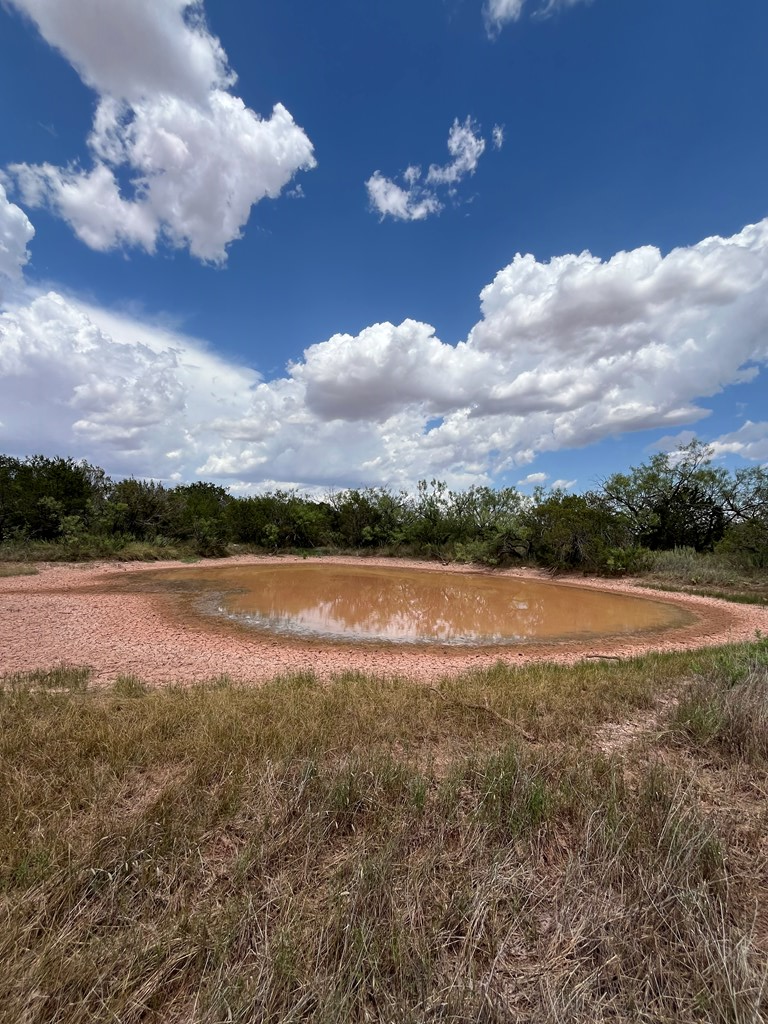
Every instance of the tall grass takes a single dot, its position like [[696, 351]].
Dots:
[[17, 569], [361, 851], [708, 569], [90, 547], [725, 709]]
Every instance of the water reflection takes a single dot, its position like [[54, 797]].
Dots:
[[412, 606]]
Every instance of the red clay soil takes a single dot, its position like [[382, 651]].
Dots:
[[81, 615]]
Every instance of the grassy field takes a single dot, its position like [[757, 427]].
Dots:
[[541, 844]]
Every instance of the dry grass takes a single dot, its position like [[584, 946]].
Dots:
[[17, 569], [363, 851], [88, 548], [707, 574], [725, 709]]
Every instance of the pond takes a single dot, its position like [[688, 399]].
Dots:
[[375, 604]]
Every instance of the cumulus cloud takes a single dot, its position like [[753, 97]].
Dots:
[[121, 392], [197, 156], [418, 199], [498, 13], [565, 353], [532, 479], [16, 232]]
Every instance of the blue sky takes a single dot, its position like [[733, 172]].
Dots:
[[344, 244]]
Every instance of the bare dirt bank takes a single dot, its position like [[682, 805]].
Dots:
[[80, 615]]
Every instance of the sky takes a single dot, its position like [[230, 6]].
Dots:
[[367, 242]]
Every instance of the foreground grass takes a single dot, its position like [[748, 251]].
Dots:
[[368, 851]]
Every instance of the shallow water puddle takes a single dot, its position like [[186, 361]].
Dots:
[[395, 605]]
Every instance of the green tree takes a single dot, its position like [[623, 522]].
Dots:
[[372, 517], [38, 493], [575, 531], [199, 502], [490, 525], [141, 509], [280, 519], [746, 538], [673, 500]]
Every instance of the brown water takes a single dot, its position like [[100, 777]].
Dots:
[[395, 605]]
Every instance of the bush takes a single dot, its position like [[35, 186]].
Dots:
[[745, 545], [630, 561], [573, 531]]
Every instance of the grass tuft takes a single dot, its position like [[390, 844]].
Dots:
[[726, 709], [129, 686], [70, 678]]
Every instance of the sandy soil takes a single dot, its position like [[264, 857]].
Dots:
[[78, 614]]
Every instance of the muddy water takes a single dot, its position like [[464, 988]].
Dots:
[[407, 606]]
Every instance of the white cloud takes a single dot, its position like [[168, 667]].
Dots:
[[498, 136], [91, 203], [118, 391], [566, 353], [418, 200], [16, 232], [533, 479], [563, 485], [391, 200], [550, 6], [672, 442], [199, 159], [373, 375], [466, 146], [750, 441], [498, 13], [130, 50]]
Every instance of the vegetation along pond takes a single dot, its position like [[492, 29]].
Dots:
[[343, 603]]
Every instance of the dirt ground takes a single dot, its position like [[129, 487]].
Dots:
[[82, 615]]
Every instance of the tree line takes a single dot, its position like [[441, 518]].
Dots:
[[673, 500]]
